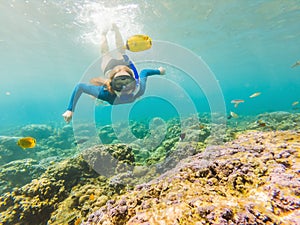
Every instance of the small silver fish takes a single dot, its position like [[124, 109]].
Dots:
[[296, 64], [234, 115], [255, 95]]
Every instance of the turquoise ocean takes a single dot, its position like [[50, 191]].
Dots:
[[215, 53], [47, 46]]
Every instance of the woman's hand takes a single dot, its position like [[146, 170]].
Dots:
[[162, 70], [67, 116]]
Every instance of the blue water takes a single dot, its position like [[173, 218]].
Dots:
[[46, 47]]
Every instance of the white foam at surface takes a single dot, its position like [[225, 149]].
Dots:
[[97, 18]]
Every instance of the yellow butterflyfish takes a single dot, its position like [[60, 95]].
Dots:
[[138, 42], [26, 142]]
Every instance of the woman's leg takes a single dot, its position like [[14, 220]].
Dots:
[[107, 56], [118, 38], [105, 60], [104, 44]]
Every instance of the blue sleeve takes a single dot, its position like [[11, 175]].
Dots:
[[83, 88], [143, 80]]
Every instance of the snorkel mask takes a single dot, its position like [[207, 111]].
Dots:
[[123, 83]]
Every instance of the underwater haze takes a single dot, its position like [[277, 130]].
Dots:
[[46, 47], [214, 140]]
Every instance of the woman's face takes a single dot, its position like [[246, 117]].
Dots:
[[123, 83]]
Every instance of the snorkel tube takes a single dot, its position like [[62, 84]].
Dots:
[[133, 68]]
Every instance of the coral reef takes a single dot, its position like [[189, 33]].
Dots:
[[109, 160], [18, 173], [34, 202], [18, 166], [82, 200], [10, 151], [276, 121], [69, 189], [51, 142], [106, 134], [39, 131], [252, 180]]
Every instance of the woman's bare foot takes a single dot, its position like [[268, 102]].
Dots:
[[67, 116]]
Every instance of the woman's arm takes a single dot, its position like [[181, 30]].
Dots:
[[82, 88], [143, 79], [78, 90]]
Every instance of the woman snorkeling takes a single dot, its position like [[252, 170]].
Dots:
[[122, 82]]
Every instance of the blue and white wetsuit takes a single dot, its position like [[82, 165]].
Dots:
[[102, 93]]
